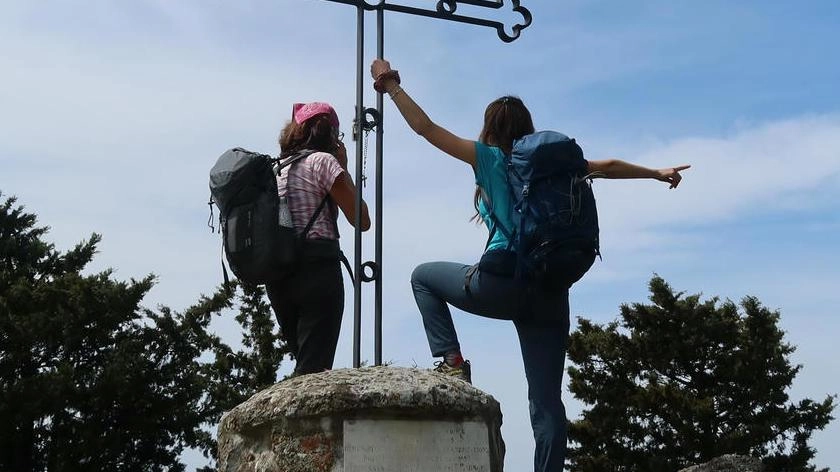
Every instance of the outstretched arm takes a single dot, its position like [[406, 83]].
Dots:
[[618, 169], [441, 138]]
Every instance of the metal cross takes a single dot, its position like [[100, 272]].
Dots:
[[368, 119]]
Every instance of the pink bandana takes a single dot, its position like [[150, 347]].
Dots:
[[305, 111]]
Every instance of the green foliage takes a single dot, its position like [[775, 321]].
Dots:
[[239, 374], [90, 380], [680, 381]]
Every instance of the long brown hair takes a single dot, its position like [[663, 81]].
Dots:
[[506, 119], [316, 133]]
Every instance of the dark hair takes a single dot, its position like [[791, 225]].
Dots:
[[316, 133], [506, 119]]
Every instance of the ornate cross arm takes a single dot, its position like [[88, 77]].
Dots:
[[446, 10]]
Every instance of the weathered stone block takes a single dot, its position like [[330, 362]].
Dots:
[[364, 420]]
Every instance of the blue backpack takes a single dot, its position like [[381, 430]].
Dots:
[[554, 208]]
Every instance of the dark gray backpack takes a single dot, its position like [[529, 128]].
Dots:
[[243, 186]]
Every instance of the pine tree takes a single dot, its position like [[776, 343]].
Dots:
[[91, 380], [239, 374], [680, 381]]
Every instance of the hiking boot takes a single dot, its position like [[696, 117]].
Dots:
[[462, 372]]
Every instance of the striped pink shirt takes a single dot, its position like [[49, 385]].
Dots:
[[309, 181]]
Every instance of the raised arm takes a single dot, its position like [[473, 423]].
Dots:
[[618, 169], [418, 120]]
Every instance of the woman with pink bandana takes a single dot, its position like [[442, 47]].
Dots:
[[309, 302]]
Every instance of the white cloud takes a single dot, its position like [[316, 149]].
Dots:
[[729, 175]]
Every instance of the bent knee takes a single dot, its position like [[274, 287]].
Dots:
[[420, 274]]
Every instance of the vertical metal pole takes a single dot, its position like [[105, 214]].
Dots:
[[380, 46], [360, 117]]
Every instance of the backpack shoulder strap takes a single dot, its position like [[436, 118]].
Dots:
[[288, 161], [496, 224]]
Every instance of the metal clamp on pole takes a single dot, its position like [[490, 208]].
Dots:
[[374, 271], [371, 121]]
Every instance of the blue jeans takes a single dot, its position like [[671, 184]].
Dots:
[[541, 318]]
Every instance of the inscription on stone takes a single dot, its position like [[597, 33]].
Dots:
[[415, 446]]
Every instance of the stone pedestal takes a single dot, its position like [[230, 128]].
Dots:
[[373, 419]]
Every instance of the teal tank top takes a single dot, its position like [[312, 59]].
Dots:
[[490, 176]]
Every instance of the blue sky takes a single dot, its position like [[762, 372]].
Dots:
[[112, 115]]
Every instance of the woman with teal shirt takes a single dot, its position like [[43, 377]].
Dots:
[[489, 289]]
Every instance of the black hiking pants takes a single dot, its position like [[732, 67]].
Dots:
[[309, 304]]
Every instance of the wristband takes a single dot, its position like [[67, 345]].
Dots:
[[378, 84], [396, 92]]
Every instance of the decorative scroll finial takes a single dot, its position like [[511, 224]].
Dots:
[[446, 10]]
